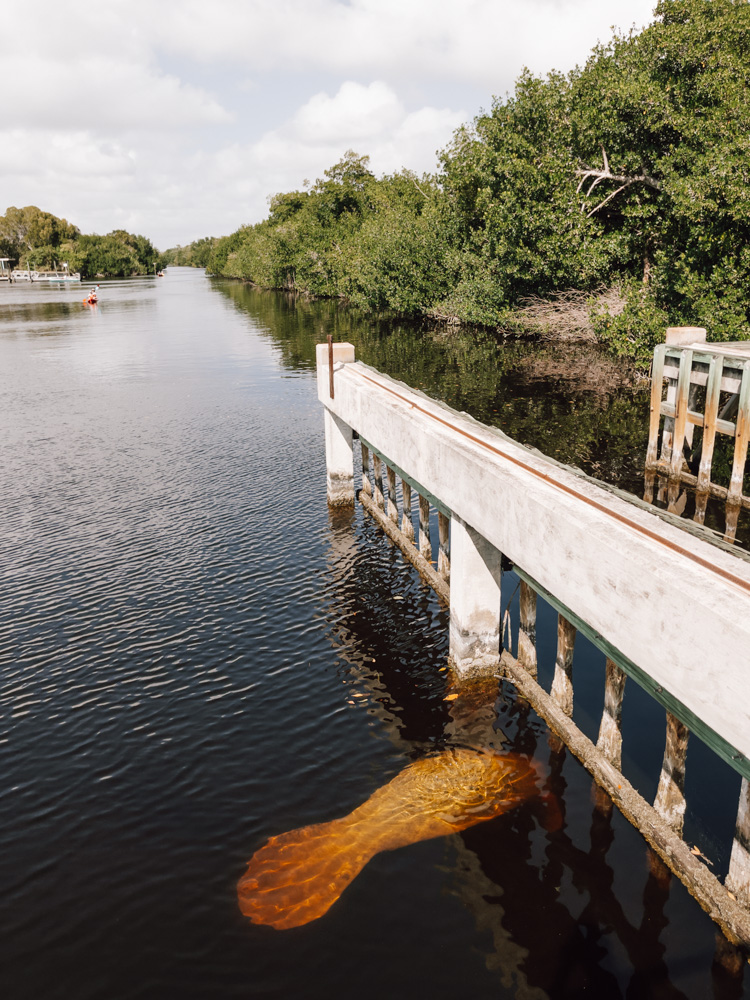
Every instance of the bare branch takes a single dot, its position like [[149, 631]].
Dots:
[[608, 198], [414, 182], [605, 174]]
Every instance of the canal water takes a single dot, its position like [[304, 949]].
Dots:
[[196, 654]]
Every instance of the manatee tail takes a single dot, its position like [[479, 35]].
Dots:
[[296, 877]]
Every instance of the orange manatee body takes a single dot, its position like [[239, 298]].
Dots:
[[295, 877]]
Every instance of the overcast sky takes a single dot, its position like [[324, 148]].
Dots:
[[177, 118]]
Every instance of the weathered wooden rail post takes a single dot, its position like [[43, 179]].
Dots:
[[610, 728], [527, 629], [425, 545], [339, 436], [406, 524], [670, 795]]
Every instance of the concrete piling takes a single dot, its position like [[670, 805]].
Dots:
[[475, 601], [339, 461]]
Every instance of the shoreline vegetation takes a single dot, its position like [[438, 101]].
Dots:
[[604, 204], [36, 240]]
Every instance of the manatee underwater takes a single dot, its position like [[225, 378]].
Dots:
[[297, 876]]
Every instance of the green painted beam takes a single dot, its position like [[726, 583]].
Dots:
[[717, 743], [437, 504]]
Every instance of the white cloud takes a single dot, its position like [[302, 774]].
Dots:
[[119, 114], [55, 94], [355, 112], [485, 41]]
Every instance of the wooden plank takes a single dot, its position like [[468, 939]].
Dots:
[[741, 439], [425, 545], [694, 418], [562, 683], [681, 408], [670, 795], [444, 563], [687, 477], [527, 629], [657, 380], [728, 383], [711, 413], [610, 728], [406, 523]]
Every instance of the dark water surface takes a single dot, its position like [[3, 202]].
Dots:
[[197, 654]]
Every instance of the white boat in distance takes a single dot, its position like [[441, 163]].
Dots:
[[47, 276]]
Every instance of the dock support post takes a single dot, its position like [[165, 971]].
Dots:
[[670, 795], [679, 427], [406, 524], [562, 683], [657, 380], [377, 486], [741, 438], [527, 629], [425, 546], [710, 416], [444, 565], [475, 602], [738, 878], [392, 498], [610, 731], [366, 485], [339, 461]]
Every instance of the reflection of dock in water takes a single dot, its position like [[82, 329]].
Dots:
[[609, 565], [507, 874]]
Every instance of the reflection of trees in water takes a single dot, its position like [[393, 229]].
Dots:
[[555, 919], [571, 401]]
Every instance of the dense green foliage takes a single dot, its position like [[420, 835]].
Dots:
[[632, 172], [36, 239], [195, 254]]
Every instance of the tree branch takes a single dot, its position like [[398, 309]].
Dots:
[[624, 180]]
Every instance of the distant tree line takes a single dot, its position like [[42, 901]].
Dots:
[[632, 172], [39, 240], [195, 254]]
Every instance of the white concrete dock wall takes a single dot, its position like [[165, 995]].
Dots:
[[672, 604]]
